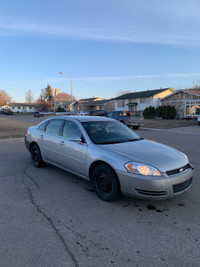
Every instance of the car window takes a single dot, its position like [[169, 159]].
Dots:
[[70, 130], [42, 126], [115, 115], [109, 132], [54, 127], [110, 115]]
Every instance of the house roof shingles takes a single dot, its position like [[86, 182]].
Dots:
[[194, 91], [141, 94], [96, 103]]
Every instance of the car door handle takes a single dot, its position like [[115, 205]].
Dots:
[[41, 136], [62, 143]]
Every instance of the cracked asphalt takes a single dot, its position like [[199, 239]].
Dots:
[[49, 217]]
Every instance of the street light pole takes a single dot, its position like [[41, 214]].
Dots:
[[71, 85]]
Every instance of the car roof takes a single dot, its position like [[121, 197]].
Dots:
[[83, 118]]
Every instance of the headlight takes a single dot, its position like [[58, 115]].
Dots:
[[143, 169]]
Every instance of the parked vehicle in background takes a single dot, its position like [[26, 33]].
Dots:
[[126, 117], [38, 114], [82, 113], [7, 111], [97, 112], [110, 155], [198, 120]]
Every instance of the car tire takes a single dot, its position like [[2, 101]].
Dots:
[[136, 127], [36, 157], [105, 183]]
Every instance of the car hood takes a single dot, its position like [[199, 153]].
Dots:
[[155, 154]]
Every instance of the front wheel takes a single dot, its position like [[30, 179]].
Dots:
[[36, 157], [136, 127], [105, 183]]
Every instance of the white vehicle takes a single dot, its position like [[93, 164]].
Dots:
[[82, 113]]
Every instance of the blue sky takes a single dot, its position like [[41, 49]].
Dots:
[[107, 46]]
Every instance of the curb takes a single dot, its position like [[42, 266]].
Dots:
[[10, 140]]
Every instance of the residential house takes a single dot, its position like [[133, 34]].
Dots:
[[20, 107], [93, 103], [63, 104], [186, 102], [138, 101]]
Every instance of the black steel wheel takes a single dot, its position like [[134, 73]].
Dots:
[[36, 156], [105, 183]]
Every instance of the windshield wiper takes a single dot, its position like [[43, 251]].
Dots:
[[133, 140]]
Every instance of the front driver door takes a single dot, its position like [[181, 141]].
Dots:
[[73, 154]]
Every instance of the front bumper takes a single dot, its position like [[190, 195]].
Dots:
[[163, 187]]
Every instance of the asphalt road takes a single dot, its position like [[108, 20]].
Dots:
[[51, 218]]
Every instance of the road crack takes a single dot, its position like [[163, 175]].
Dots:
[[40, 211]]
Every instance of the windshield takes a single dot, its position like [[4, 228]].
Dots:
[[109, 132]]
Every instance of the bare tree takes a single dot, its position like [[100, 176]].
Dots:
[[29, 97], [4, 98], [64, 97]]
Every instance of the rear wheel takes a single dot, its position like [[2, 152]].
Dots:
[[36, 156], [135, 127], [105, 183]]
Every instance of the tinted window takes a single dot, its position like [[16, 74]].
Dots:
[[110, 115], [71, 130], [109, 132], [42, 126], [54, 127], [115, 115]]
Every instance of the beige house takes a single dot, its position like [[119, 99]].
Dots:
[[186, 102]]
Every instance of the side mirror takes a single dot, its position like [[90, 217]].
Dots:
[[77, 139]]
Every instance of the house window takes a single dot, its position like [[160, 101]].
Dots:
[[198, 109], [123, 103], [119, 103], [145, 100], [192, 108]]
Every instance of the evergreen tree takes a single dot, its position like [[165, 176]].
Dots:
[[47, 93]]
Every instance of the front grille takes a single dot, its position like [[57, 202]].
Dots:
[[179, 170], [180, 187], [151, 193]]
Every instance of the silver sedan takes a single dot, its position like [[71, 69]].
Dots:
[[110, 155]]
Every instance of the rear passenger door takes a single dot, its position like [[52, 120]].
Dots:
[[49, 140]]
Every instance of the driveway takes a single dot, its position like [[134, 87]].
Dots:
[[52, 218]]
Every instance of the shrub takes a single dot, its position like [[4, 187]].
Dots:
[[59, 109], [149, 112], [166, 112]]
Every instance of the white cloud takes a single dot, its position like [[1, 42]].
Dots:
[[138, 21], [111, 34]]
